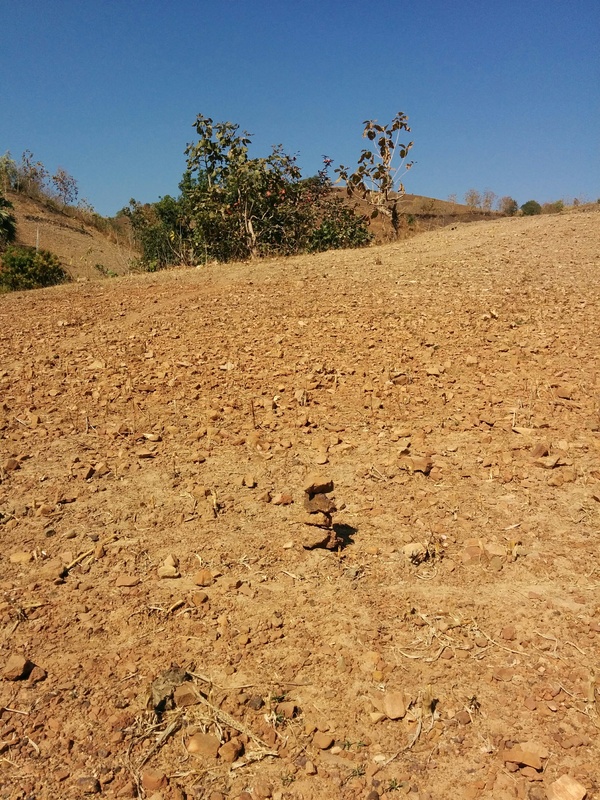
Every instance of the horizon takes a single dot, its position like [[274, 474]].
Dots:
[[505, 99]]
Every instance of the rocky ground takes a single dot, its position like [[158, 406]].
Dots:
[[319, 527]]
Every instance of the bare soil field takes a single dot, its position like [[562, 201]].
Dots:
[[185, 615]]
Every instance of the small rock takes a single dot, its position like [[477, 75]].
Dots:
[[286, 709], [203, 577], [203, 744], [393, 705], [126, 581], [317, 484], [318, 502], [21, 557], [310, 768], [256, 702], [153, 780], [231, 751], [415, 552], [322, 740], [520, 755], [540, 450], [198, 599], [167, 571], [88, 785], [249, 481], [185, 695], [282, 499], [566, 788], [262, 790], [17, 668]]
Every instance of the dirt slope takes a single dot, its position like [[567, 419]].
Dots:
[[448, 385], [86, 252]]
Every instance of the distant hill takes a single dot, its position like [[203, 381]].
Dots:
[[86, 251], [92, 251]]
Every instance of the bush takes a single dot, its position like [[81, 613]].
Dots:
[[23, 268], [340, 227], [531, 208], [553, 208], [8, 225]]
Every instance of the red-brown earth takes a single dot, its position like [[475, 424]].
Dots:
[[446, 647]]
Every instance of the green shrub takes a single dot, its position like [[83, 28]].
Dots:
[[531, 208], [23, 268], [340, 227], [8, 225]]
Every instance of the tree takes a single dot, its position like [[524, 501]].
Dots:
[[8, 224], [531, 208], [472, 198], [31, 175], [488, 199], [24, 268], [508, 206], [65, 186], [240, 207], [8, 173], [377, 178]]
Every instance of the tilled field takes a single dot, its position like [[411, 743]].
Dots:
[[183, 614]]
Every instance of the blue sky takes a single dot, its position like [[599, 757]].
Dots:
[[501, 94]]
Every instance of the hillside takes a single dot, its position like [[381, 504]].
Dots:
[[86, 252], [89, 253], [175, 626]]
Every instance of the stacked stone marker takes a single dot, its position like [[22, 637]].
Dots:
[[319, 510]]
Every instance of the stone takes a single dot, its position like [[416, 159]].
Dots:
[[88, 785], [415, 552], [520, 755], [317, 518], [203, 577], [168, 571], [17, 668], [231, 751], [566, 788], [21, 557], [10, 465], [393, 705], [322, 740], [126, 581], [262, 790], [198, 598], [313, 537], [203, 744], [286, 709], [185, 695], [540, 450], [318, 502], [153, 780], [317, 484], [282, 499]]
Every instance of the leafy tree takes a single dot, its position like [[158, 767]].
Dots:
[[531, 208], [377, 178], [472, 198], [508, 206], [24, 268], [8, 173], [8, 224], [241, 207], [161, 230], [65, 186]]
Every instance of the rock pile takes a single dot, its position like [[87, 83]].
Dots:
[[318, 514]]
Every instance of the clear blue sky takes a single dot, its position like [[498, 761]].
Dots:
[[501, 94]]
